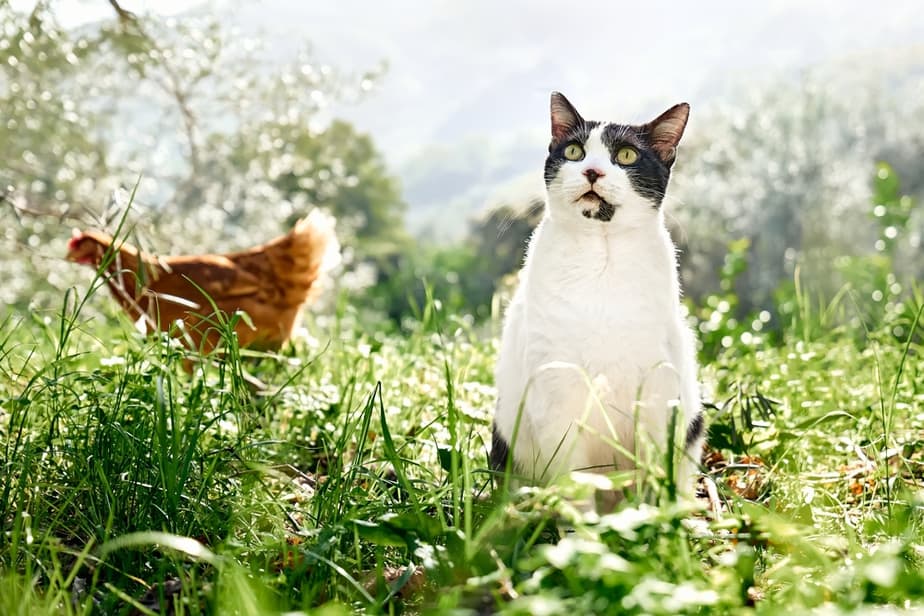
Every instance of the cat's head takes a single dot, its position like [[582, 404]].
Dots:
[[603, 172]]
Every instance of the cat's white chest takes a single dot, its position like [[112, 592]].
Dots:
[[593, 349], [598, 312]]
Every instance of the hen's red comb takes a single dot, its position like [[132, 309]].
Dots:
[[76, 236]]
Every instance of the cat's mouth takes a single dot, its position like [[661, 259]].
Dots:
[[596, 207]]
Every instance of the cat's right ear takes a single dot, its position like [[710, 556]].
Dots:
[[565, 118]]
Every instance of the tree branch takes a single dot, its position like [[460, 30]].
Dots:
[[125, 16], [19, 209], [173, 86]]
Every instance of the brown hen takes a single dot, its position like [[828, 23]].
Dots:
[[176, 294]]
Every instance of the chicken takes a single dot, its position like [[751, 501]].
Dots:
[[270, 283]]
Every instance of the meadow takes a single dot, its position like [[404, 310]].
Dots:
[[357, 482]]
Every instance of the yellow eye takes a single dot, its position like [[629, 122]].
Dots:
[[626, 156], [574, 152]]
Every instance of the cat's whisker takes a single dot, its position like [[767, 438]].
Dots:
[[503, 224]]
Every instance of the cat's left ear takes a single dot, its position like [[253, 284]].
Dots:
[[565, 118], [665, 131]]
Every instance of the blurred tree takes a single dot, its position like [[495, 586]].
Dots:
[[786, 164], [500, 237], [338, 169], [229, 147], [467, 275], [54, 158]]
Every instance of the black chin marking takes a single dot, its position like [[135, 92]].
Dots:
[[604, 212]]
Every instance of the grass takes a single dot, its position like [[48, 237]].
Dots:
[[358, 482]]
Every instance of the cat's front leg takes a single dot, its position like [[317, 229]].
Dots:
[[567, 418]]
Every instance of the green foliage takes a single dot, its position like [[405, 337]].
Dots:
[[362, 481], [879, 295], [141, 448], [719, 322], [364, 197], [640, 560], [875, 291], [873, 295], [39, 124], [467, 276], [784, 161], [51, 142], [892, 210]]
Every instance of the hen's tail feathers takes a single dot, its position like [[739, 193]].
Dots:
[[315, 248]]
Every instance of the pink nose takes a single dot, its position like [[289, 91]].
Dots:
[[593, 174]]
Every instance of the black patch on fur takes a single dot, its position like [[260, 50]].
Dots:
[[696, 428], [604, 212], [556, 156], [500, 451], [648, 175]]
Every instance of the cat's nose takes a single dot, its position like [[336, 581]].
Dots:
[[593, 174]]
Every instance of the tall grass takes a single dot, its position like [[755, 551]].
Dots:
[[358, 480]]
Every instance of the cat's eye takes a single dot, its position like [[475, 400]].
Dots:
[[574, 152], [626, 156]]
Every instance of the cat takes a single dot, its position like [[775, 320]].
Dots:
[[594, 351]]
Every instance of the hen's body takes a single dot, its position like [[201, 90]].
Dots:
[[269, 282]]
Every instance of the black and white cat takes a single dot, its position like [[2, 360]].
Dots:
[[595, 351]]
